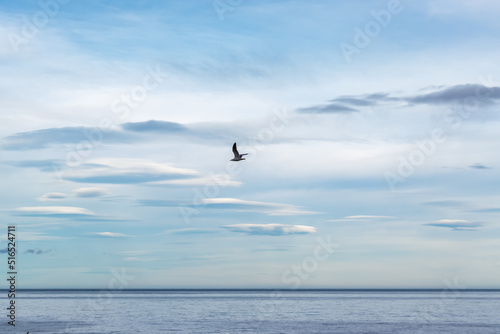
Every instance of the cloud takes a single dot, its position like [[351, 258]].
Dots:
[[190, 231], [270, 229], [32, 236], [52, 197], [202, 181], [464, 93], [456, 224], [361, 218], [124, 134], [479, 166], [369, 217], [108, 234], [331, 108], [362, 100], [488, 210], [458, 94], [446, 203], [158, 202], [90, 192], [42, 165], [126, 171], [57, 136], [53, 211], [154, 126], [37, 251], [272, 209]]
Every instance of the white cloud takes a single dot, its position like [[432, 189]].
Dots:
[[360, 218], [52, 197], [109, 234], [54, 210], [90, 192], [201, 181], [270, 229], [272, 209], [32, 236], [126, 171]]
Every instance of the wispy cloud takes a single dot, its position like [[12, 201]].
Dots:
[[57, 136], [361, 218], [446, 203], [154, 126], [37, 251], [457, 94], [439, 95], [272, 209], [53, 211], [52, 197], [331, 108], [90, 192], [108, 234], [456, 224], [479, 166], [126, 171], [190, 231], [270, 229], [32, 236]]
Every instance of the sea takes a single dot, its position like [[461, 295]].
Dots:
[[254, 311]]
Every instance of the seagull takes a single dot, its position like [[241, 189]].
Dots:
[[237, 155]]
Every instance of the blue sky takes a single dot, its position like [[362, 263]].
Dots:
[[372, 168]]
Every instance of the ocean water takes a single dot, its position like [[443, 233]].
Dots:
[[255, 311]]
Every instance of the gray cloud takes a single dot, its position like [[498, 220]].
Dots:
[[37, 251], [190, 231], [52, 196], [479, 166], [446, 203], [466, 93], [488, 210], [458, 94], [154, 126], [41, 165], [364, 100], [53, 136], [125, 134], [331, 108], [456, 225], [158, 202], [90, 192]]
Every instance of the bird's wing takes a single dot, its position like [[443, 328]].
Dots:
[[235, 151]]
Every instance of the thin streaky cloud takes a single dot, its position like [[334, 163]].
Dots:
[[270, 229], [272, 209], [55, 196]]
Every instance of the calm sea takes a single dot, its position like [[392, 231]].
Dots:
[[254, 311]]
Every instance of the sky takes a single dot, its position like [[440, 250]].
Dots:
[[371, 129]]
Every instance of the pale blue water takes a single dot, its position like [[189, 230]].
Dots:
[[255, 312]]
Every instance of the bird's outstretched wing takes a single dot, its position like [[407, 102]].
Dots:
[[235, 151]]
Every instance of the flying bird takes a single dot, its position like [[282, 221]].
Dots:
[[237, 155]]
